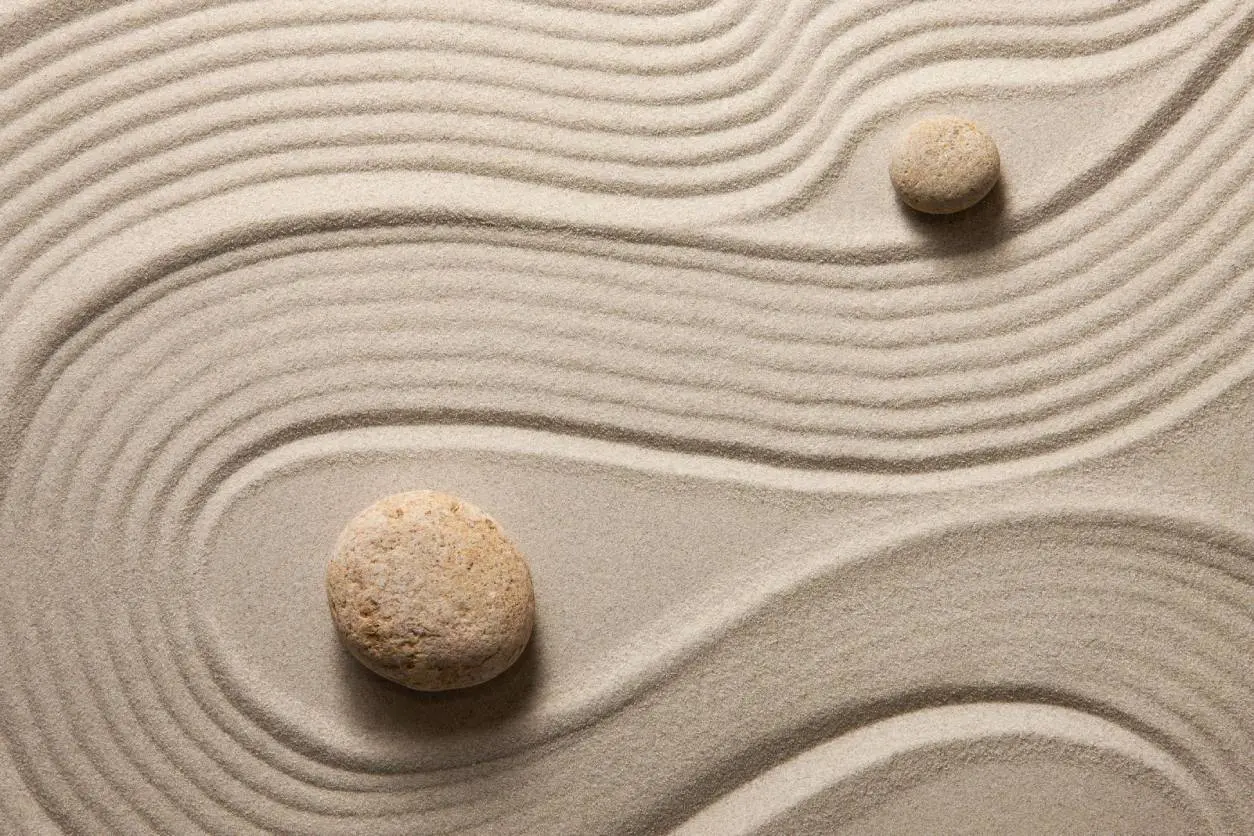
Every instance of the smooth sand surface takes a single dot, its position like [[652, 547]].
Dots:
[[840, 518]]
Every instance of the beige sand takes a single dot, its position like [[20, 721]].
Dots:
[[840, 517]]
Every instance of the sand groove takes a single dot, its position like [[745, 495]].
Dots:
[[1040, 605], [446, 325], [251, 251]]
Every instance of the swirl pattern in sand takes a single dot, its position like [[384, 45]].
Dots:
[[631, 276], [778, 314]]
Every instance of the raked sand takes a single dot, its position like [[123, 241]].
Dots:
[[840, 518]]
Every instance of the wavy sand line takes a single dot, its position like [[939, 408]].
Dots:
[[72, 180], [132, 80], [29, 276], [675, 381], [689, 629], [148, 502], [198, 285], [768, 47], [894, 751], [113, 489]]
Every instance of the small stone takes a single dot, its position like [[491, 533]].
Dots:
[[426, 590], [944, 165]]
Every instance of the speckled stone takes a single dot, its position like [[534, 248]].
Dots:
[[944, 165], [427, 591]]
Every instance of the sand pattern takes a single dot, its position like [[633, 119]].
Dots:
[[836, 514]]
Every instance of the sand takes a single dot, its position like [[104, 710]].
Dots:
[[839, 517]]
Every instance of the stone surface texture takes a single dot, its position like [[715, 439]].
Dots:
[[427, 591], [944, 165]]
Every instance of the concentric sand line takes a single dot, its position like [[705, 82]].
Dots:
[[258, 256], [1062, 620], [663, 354], [359, 138], [844, 780]]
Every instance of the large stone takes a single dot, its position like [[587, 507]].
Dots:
[[944, 165], [427, 591]]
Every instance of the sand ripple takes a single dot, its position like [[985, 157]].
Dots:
[[1062, 639], [251, 251]]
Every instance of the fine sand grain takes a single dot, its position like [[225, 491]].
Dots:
[[841, 517]]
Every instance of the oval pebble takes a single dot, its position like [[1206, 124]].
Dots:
[[427, 591], [944, 165]]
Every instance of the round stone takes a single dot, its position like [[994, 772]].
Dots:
[[944, 165], [427, 591]]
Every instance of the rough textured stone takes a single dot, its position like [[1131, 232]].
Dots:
[[427, 591], [944, 165]]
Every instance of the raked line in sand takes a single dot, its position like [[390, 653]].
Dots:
[[245, 232]]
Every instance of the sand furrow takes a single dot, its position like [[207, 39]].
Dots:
[[837, 515]]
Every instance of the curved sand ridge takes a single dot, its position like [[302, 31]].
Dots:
[[1118, 615], [472, 324], [720, 99], [229, 230], [763, 107], [873, 359], [852, 779]]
